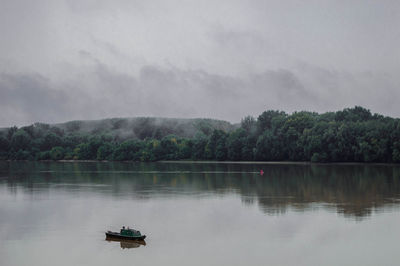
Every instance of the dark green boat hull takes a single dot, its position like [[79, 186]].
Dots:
[[116, 235]]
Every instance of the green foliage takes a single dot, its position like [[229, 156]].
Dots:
[[44, 155], [396, 152], [105, 151], [185, 149], [50, 140], [4, 144], [82, 152], [69, 154], [216, 143], [270, 120], [23, 155], [10, 132], [21, 140], [235, 143], [199, 145], [129, 150], [169, 147], [350, 135], [57, 153], [203, 127], [249, 124], [268, 148], [152, 151], [221, 151], [353, 114]]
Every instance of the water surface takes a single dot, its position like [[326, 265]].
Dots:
[[199, 213]]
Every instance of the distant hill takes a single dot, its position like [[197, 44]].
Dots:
[[146, 127]]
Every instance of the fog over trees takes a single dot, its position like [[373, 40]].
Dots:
[[349, 135]]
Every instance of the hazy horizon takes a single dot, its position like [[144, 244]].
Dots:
[[174, 118]]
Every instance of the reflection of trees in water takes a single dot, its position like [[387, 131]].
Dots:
[[351, 190], [354, 190]]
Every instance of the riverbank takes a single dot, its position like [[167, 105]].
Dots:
[[212, 162]]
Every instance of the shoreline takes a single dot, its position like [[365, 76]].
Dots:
[[212, 162]]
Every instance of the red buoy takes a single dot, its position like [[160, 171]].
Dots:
[[261, 172]]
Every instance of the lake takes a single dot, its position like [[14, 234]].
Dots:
[[199, 213]]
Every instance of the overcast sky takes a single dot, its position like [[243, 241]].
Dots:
[[88, 59]]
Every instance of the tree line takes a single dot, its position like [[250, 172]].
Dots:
[[349, 135]]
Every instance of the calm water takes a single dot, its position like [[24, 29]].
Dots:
[[199, 214]]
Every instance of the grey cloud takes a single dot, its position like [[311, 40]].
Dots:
[[100, 92], [238, 40], [283, 82], [26, 98], [64, 60], [377, 91], [228, 37]]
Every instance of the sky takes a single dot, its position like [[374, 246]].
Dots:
[[63, 60]]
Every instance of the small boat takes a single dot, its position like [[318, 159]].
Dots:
[[126, 234]]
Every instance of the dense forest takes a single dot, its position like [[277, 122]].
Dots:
[[350, 135]]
